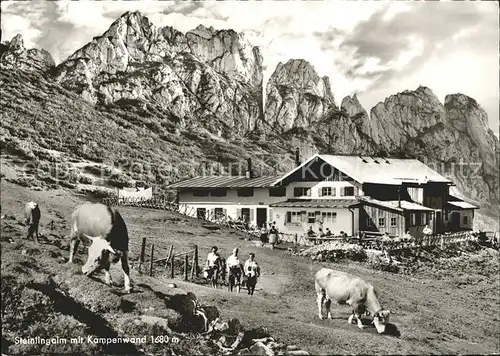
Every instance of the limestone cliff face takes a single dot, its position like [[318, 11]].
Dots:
[[452, 138], [296, 97], [14, 55], [204, 74], [480, 147]]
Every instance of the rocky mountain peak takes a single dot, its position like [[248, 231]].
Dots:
[[17, 43], [15, 56], [355, 111], [296, 96]]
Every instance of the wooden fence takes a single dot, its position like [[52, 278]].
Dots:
[[185, 262], [381, 243], [165, 204], [152, 203]]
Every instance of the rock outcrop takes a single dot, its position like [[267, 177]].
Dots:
[[203, 75], [13, 55], [355, 111], [453, 138], [296, 96]]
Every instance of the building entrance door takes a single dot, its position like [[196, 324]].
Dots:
[[438, 223], [261, 216], [455, 221]]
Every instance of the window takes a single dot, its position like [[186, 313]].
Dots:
[[368, 221], [301, 192], [311, 218], [219, 192], [219, 213], [245, 192], [326, 191], [349, 191], [201, 213], [277, 192], [423, 218], [294, 217], [445, 215], [200, 193], [381, 222], [465, 219], [413, 219], [394, 222], [245, 214], [329, 218]]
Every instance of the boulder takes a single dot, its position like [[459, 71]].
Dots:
[[153, 320], [260, 349]]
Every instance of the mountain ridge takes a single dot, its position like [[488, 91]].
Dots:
[[211, 81]]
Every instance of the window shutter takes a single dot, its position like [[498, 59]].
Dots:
[[238, 213], [252, 211], [288, 216], [320, 191], [356, 191], [308, 192], [224, 212], [334, 191], [342, 191], [270, 215]]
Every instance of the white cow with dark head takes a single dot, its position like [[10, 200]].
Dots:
[[106, 230], [344, 288]]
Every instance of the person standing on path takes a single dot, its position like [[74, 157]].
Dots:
[[234, 269], [252, 271]]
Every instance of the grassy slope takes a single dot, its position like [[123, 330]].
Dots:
[[39, 116], [451, 310]]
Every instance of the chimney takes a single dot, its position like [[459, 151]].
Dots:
[[249, 172], [297, 157]]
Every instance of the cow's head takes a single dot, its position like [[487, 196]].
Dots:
[[380, 320], [99, 252]]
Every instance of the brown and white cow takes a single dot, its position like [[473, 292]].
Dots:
[[345, 288], [106, 230], [32, 218]]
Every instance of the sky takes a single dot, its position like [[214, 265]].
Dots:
[[372, 48]]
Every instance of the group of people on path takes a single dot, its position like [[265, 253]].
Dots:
[[269, 235], [236, 272]]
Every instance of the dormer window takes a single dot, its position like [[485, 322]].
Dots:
[[327, 191], [301, 192], [347, 191]]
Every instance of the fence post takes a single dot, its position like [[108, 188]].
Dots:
[[193, 267], [151, 261], [169, 255], [296, 239], [143, 252], [172, 267], [196, 260], [186, 260]]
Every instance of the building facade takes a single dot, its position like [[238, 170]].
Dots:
[[345, 194]]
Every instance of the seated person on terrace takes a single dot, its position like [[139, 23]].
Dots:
[[328, 232], [311, 232], [321, 233]]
